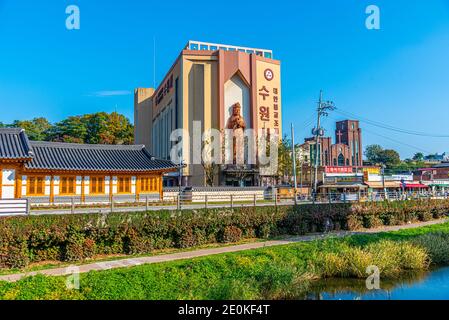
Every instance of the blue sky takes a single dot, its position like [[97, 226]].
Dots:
[[398, 75]]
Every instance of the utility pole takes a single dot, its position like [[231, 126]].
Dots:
[[295, 184], [322, 111], [181, 167]]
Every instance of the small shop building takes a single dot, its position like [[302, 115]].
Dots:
[[53, 172]]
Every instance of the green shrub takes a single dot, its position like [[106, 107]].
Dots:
[[31, 239], [231, 234]]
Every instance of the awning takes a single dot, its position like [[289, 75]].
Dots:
[[439, 185], [343, 186], [380, 185], [415, 186]]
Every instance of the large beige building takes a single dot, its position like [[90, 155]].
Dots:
[[205, 84]]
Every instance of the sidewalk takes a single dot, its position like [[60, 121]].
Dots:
[[98, 266]]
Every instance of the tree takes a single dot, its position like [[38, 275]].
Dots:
[[210, 167], [36, 129], [372, 153], [72, 130], [285, 162], [96, 128], [418, 156], [389, 158]]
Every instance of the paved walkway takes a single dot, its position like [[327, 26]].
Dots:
[[121, 263]]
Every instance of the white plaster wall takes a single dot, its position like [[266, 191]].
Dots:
[[24, 185], [78, 185], [107, 182], [86, 185], [8, 182], [114, 185], [47, 185], [133, 185], [236, 91], [56, 183]]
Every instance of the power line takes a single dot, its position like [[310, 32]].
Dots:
[[394, 140], [399, 142], [389, 127]]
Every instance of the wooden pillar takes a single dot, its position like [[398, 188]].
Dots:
[[83, 196], [138, 187], [18, 185], [52, 189], [161, 188], [111, 189]]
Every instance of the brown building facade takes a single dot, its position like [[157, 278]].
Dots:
[[204, 85]]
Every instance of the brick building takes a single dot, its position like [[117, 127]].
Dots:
[[346, 152]]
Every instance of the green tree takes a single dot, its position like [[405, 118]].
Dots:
[[36, 129], [72, 130], [418, 156], [373, 152], [96, 128], [389, 158], [285, 162]]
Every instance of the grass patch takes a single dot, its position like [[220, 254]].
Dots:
[[283, 272]]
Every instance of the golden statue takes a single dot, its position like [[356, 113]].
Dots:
[[236, 120]]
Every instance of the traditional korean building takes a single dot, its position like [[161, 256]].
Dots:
[[50, 172]]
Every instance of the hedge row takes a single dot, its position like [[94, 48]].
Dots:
[[25, 240]]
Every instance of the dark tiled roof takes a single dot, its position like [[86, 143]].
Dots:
[[442, 165], [14, 144], [83, 157]]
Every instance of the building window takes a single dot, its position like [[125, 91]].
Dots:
[[347, 162], [67, 185], [97, 185], [193, 46], [36, 186], [124, 185], [204, 47], [148, 184], [267, 55], [341, 160], [335, 162]]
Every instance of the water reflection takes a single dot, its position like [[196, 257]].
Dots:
[[432, 285]]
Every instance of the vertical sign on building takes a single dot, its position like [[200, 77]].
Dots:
[[269, 97]]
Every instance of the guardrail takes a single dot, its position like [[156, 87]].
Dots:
[[13, 207]]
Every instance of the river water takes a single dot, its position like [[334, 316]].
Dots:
[[433, 285]]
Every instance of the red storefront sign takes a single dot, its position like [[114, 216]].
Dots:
[[338, 170]]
